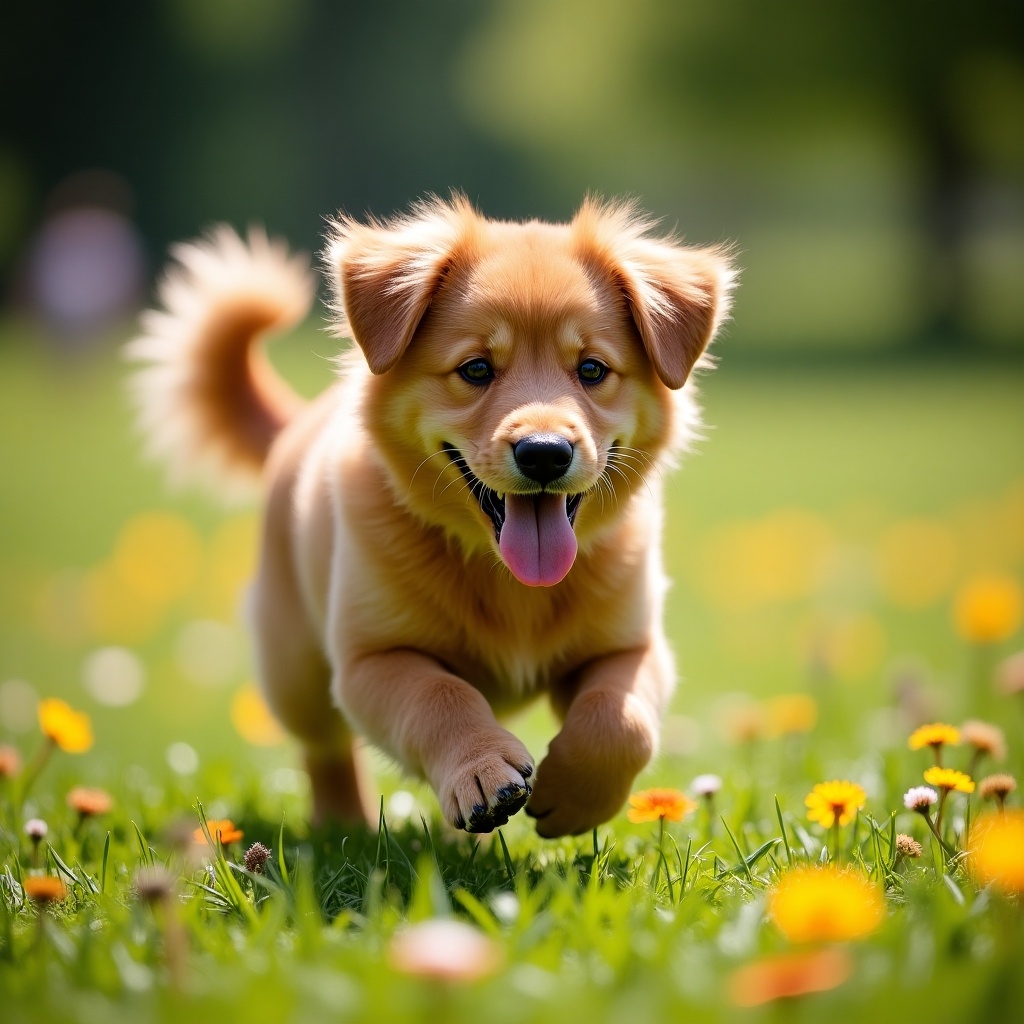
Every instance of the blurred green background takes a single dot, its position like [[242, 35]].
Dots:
[[865, 459]]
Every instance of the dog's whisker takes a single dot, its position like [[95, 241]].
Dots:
[[432, 455]]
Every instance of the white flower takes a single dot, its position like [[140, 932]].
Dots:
[[706, 785], [919, 799], [36, 829]]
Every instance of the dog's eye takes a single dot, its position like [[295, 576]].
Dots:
[[590, 371], [477, 371]]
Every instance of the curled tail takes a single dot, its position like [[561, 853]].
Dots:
[[208, 400]]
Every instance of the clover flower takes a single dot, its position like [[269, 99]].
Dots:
[[444, 950], [836, 801], [788, 975], [987, 739], [995, 854], [36, 829], [999, 786], [659, 805], [907, 846], [256, 858], [920, 799], [68, 729], [825, 903], [706, 785]]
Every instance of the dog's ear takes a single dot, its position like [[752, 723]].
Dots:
[[677, 296], [384, 275]]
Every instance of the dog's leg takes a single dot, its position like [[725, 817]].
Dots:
[[611, 712], [440, 727]]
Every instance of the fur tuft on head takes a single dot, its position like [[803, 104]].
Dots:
[[678, 296]]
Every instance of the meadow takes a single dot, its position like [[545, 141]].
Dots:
[[847, 550]]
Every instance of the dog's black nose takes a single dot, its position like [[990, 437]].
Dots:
[[543, 457]]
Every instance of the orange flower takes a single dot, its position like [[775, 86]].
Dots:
[[44, 888], [444, 950], [222, 827], [830, 802], [825, 904], [949, 779], [10, 761], [788, 975], [935, 735], [88, 801], [69, 729], [996, 850], [989, 609], [659, 805]]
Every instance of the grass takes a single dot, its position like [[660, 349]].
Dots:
[[820, 540]]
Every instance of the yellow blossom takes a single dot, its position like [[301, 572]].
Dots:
[[253, 719], [949, 779], [834, 801], [995, 852], [935, 735], [989, 609], [791, 713], [656, 804], [825, 903], [71, 730]]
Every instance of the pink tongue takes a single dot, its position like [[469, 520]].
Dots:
[[537, 541]]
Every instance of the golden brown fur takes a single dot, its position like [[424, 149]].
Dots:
[[383, 605]]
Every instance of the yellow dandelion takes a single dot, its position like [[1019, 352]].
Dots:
[[791, 713], [949, 779], [659, 805], [936, 735], [830, 802], [825, 903], [69, 729], [788, 975], [995, 853], [989, 609], [253, 719]]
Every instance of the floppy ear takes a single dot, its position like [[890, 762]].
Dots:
[[677, 296], [384, 275]]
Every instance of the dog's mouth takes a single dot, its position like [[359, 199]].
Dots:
[[534, 531]]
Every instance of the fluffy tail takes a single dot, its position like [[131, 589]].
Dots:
[[208, 400]]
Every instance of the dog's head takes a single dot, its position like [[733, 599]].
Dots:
[[530, 366]]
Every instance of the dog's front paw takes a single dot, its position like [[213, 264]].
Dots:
[[482, 789], [582, 783]]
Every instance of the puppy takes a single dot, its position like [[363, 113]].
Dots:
[[471, 516]]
